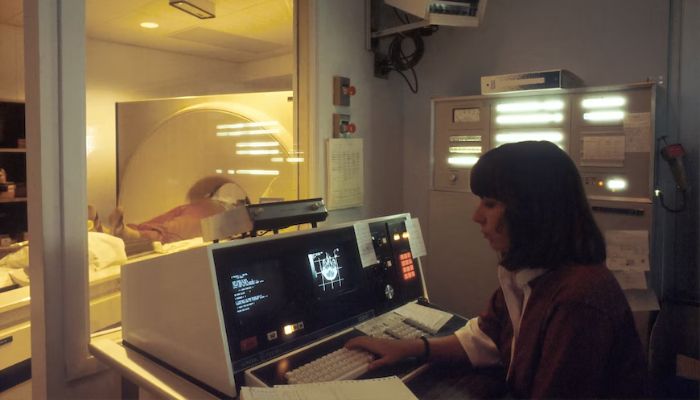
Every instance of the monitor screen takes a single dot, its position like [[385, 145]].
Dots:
[[256, 290], [279, 293], [328, 271]]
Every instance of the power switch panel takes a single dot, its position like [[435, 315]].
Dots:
[[342, 90], [342, 127]]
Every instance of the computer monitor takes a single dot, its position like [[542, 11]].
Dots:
[[281, 293]]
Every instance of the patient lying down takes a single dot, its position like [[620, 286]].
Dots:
[[179, 223]]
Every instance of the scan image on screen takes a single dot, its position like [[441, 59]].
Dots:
[[327, 270]]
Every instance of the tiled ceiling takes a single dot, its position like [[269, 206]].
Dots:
[[243, 30]]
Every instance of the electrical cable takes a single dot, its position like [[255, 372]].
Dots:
[[397, 60]]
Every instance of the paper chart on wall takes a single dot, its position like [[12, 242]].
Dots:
[[628, 250], [631, 279], [344, 172], [642, 300], [637, 128], [603, 151]]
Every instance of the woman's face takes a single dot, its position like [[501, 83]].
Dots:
[[489, 214]]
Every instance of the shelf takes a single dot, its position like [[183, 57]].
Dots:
[[12, 150], [14, 200]]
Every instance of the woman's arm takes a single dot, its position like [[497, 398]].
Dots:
[[390, 351]]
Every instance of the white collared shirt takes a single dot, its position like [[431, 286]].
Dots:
[[480, 348]]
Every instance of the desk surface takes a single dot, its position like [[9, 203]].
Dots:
[[441, 381], [143, 372]]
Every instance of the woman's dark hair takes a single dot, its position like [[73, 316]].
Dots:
[[547, 214]]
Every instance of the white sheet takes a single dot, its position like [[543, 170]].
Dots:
[[104, 251]]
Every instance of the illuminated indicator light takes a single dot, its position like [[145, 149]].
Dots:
[[603, 102], [257, 144], [463, 161], [465, 149], [257, 152], [551, 105], [257, 172], [465, 138], [149, 25], [397, 236], [288, 329], [277, 159], [616, 184], [404, 235], [601, 183], [231, 171], [247, 125], [529, 118], [295, 159], [604, 116], [512, 137], [219, 171]]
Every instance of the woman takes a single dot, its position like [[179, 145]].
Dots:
[[559, 323]]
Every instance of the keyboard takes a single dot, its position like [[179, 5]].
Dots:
[[405, 331], [341, 364]]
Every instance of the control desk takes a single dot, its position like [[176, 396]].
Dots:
[[269, 310]]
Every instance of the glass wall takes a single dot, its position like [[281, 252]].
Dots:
[[177, 106]]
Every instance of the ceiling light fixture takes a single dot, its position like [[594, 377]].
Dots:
[[149, 25], [202, 9]]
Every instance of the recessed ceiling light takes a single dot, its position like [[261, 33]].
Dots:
[[149, 25]]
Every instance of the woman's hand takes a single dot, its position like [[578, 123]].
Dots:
[[388, 351]]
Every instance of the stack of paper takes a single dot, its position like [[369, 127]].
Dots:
[[426, 318], [368, 389]]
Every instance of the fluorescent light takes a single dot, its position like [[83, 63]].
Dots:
[[257, 144], [463, 161], [219, 171], [231, 171], [604, 116], [616, 184], [513, 137], [465, 149], [257, 152], [257, 172], [549, 105], [540, 118], [295, 159], [202, 9], [149, 25], [603, 102], [277, 159]]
